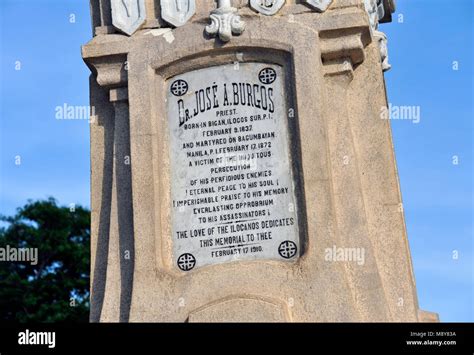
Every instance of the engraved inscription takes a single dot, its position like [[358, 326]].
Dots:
[[232, 187]]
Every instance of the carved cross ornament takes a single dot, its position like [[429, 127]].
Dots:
[[129, 15], [225, 22]]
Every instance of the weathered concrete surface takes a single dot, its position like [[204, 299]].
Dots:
[[342, 158]]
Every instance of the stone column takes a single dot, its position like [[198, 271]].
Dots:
[[112, 216]]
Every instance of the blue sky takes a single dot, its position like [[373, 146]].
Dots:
[[423, 45]]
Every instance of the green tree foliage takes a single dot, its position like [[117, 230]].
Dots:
[[56, 289]]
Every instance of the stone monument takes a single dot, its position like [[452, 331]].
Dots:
[[241, 170]]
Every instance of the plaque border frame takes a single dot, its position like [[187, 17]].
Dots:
[[163, 73]]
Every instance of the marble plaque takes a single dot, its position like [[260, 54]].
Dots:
[[232, 186]]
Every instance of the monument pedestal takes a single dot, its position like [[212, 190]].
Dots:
[[242, 171]]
